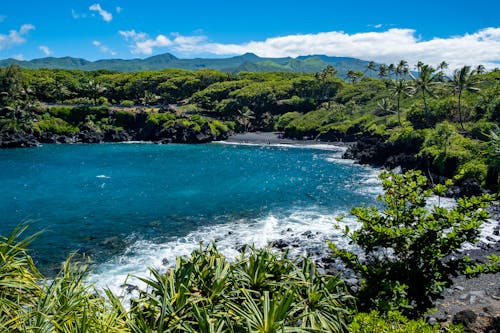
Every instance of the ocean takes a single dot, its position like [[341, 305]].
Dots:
[[131, 206]]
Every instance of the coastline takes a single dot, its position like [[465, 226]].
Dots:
[[478, 296], [273, 138]]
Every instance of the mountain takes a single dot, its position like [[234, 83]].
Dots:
[[246, 62]]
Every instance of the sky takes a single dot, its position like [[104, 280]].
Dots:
[[458, 32]]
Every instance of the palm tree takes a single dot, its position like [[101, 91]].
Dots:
[[402, 68], [244, 117], [442, 66], [382, 70], [391, 69], [463, 79], [480, 69], [399, 89], [372, 66], [424, 80]]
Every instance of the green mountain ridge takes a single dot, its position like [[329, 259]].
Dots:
[[246, 62]]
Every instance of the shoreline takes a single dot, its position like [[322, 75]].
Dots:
[[273, 138]]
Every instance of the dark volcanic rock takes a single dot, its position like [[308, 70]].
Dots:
[[465, 317], [89, 136], [113, 135], [17, 140]]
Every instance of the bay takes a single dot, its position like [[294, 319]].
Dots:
[[130, 206]]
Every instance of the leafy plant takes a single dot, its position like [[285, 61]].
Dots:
[[408, 251]]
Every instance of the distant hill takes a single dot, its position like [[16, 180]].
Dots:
[[247, 62]]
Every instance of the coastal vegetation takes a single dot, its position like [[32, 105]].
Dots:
[[442, 123]]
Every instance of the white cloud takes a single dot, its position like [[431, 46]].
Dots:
[[378, 26], [106, 16], [392, 45], [45, 50], [103, 48], [25, 28], [19, 57], [15, 37], [133, 35], [142, 44]]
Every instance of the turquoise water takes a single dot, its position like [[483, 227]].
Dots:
[[122, 204]]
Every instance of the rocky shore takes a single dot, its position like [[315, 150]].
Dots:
[[473, 302], [142, 131]]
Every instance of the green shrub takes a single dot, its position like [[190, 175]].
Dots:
[[474, 169], [218, 127], [123, 118], [127, 103], [407, 250], [161, 118], [56, 125], [447, 149], [286, 119], [393, 322], [77, 114], [438, 111]]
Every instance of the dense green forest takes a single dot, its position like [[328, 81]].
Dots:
[[445, 123]]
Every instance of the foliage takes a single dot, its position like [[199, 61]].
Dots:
[[393, 322], [448, 150], [285, 119], [409, 251], [55, 125], [261, 291]]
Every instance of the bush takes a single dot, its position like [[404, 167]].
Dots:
[[409, 252], [393, 322], [286, 119], [447, 149], [77, 114], [127, 103], [218, 128], [438, 111], [56, 126]]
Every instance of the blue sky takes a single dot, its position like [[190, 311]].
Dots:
[[385, 31]]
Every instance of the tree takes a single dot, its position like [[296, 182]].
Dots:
[[383, 71], [463, 79], [94, 90], [399, 89], [410, 252], [244, 117], [372, 66], [391, 69], [354, 76], [480, 69], [426, 77], [402, 68]]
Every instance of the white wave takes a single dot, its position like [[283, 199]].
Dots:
[[103, 176], [134, 142], [306, 231], [319, 146]]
